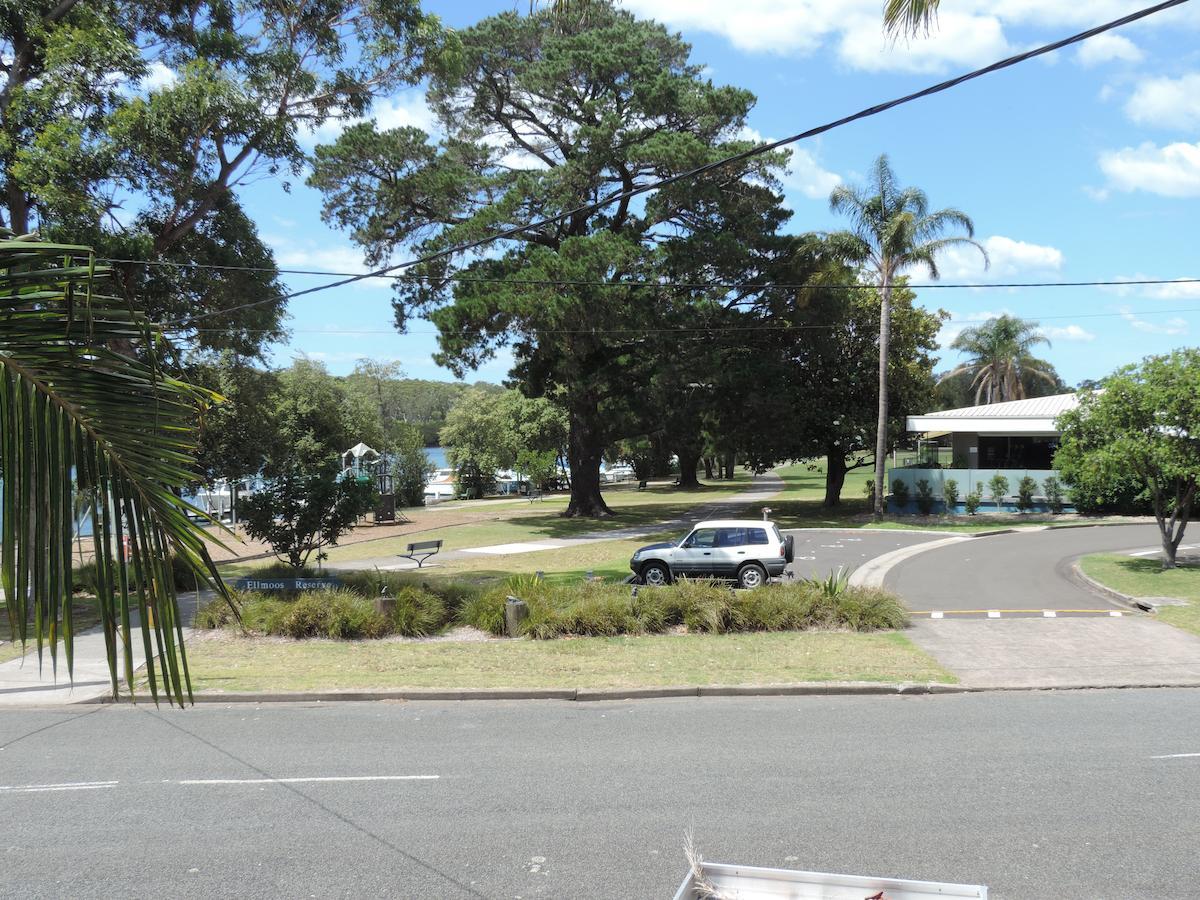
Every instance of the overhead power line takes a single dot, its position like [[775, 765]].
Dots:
[[684, 329], [737, 157], [666, 285]]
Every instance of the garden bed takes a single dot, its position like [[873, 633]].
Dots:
[[372, 605]]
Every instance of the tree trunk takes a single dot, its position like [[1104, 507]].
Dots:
[[835, 477], [688, 461], [708, 468], [727, 465], [1171, 529], [885, 334], [584, 450]]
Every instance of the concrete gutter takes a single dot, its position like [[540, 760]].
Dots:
[[588, 695], [1137, 604]]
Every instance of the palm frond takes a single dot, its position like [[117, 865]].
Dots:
[[82, 416], [909, 18]]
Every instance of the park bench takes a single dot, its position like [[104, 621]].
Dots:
[[420, 551]]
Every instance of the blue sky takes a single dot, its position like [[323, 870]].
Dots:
[[1081, 166]]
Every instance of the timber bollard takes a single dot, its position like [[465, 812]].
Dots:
[[516, 611]]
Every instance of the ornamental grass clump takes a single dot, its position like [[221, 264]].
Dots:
[[418, 612], [338, 613]]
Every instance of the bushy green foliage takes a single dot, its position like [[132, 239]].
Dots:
[[485, 612], [1026, 488], [974, 499], [216, 613], [418, 612], [950, 494], [263, 614], [338, 613], [1054, 494], [998, 485], [924, 497], [900, 493]]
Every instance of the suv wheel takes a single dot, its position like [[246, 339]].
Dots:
[[655, 574], [751, 576]]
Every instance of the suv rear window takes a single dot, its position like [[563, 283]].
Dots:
[[778, 536], [757, 536], [731, 537]]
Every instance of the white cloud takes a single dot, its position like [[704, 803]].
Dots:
[[406, 109], [1066, 333], [1097, 194], [1174, 325], [959, 41], [1108, 47], [805, 174], [158, 77], [1166, 102], [325, 256], [1008, 259], [1172, 171], [968, 32], [1184, 288]]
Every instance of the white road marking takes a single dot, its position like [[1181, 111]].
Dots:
[[1177, 756], [937, 615], [1115, 613], [1049, 614], [993, 613], [1157, 551], [328, 778], [66, 786]]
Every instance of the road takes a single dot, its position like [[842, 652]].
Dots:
[[1038, 795], [820, 551], [1024, 570]]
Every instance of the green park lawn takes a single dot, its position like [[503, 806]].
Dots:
[[1145, 577], [236, 664]]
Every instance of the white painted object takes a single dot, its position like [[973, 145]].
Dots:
[[753, 883]]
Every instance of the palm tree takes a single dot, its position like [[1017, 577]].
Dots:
[[80, 418], [909, 17], [892, 231], [1000, 362]]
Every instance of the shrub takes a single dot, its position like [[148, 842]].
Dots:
[[950, 494], [1026, 488], [485, 611], [216, 613], [263, 614], [334, 614], [869, 491], [372, 582], [835, 583], [999, 487], [1054, 494], [924, 497], [418, 612], [869, 609], [699, 603], [583, 609], [900, 494], [974, 498]]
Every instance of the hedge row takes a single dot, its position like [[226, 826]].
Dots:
[[559, 609]]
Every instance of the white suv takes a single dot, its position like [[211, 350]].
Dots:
[[748, 551]]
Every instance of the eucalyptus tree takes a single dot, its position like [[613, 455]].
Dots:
[[892, 232], [999, 361], [82, 426], [543, 118]]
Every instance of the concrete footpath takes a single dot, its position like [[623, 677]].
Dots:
[[24, 683]]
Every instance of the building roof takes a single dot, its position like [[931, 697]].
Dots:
[[1034, 416]]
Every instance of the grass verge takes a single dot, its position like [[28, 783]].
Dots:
[[236, 664], [1142, 577]]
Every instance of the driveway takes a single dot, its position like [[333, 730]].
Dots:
[[1024, 620], [821, 550], [1029, 570]]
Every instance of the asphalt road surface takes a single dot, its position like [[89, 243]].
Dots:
[[1038, 795], [1023, 570], [820, 551]]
